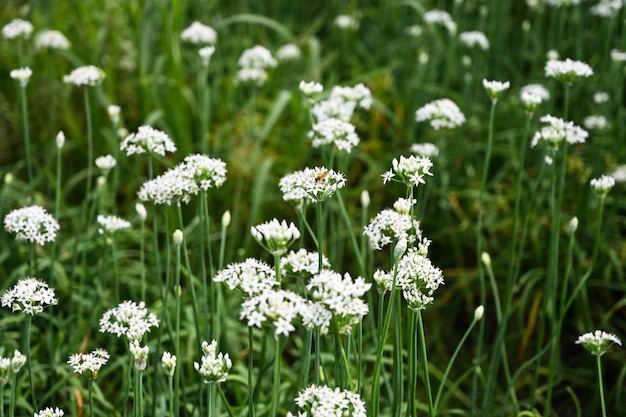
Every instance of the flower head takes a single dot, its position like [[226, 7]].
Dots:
[[199, 34], [29, 295], [495, 88], [22, 75], [428, 150], [17, 28], [250, 276], [334, 131], [391, 225], [302, 262], [148, 139], [205, 171], [50, 412], [596, 122], [128, 319], [280, 308], [474, 38], [323, 401], [619, 173], [214, 366], [598, 342], [168, 362], [409, 170], [86, 76], [442, 113], [174, 186], [257, 57], [440, 17], [205, 55], [603, 185], [310, 88], [288, 52], [111, 224], [89, 364], [557, 130], [18, 361], [567, 70], [311, 184], [275, 236], [346, 22], [51, 39], [5, 370], [140, 355], [105, 163]]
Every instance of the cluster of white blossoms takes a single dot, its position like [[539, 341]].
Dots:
[[302, 262], [416, 277], [334, 131], [288, 52], [199, 34], [391, 225], [409, 170], [603, 185], [339, 295], [440, 17], [275, 236], [596, 122], [51, 39], [598, 342], [111, 224], [311, 184], [22, 75], [346, 22], [13, 365], [251, 276], [310, 88], [607, 8], [619, 173], [279, 308], [214, 366], [105, 163], [196, 173], [253, 64], [323, 401], [428, 150], [140, 355], [205, 55], [32, 224], [50, 412], [600, 97], [89, 364], [495, 88], [442, 113], [29, 295], [618, 56], [567, 70], [17, 28], [168, 362], [148, 139], [556, 131], [128, 319], [474, 38], [85, 76]]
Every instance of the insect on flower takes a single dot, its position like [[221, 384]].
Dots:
[[321, 177]]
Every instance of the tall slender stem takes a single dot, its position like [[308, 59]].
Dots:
[[29, 319], [601, 386], [276, 381], [177, 290], [251, 412], [25, 127], [90, 390], [422, 345]]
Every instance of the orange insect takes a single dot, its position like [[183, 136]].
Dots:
[[321, 177]]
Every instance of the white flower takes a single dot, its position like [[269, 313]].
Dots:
[[51, 39], [600, 97], [199, 34], [128, 319], [17, 28], [258, 57], [214, 366], [567, 70], [619, 173], [141, 211], [411, 170], [85, 76], [301, 262], [288, 52], [617, 55], [596, 122], [60, 139], [414, 30], [257, 76], [148, 139], [29, 295], [50, 412], [22, 75], [346, 22], [440, 17], [311, 184], [32, 224], [168, 362], [105, 163], [334, 131], [173, 186], [474, 38], [111, 224], [603, 185], [442, 113], [598, 342], [89, 364], [280, 308], [310, 88], [114, 113], [530, 101], [557, 130], [275, 236], [607, 8], [140, 355], [205, 171], [5, 370], [495, 88], [389, 226], [205, 54], [428, 150], [323, 401], [18, 361], [250, 276], [537, 90]]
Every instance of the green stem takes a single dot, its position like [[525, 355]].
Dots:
[[31, 259], [318, 353], [398, 372], [348, 221], [170, 390], [13, 394], [422, 345], [29, 319], [116, 280], [276, 381], [57, 205], [320, 236], [29, 163], [411, 408], [251, 412], [178, 291], [90, 160], [601, 386], [229, 409], [90, 389], [142, 259], [203, 270]]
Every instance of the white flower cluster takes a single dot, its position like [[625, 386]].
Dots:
[[275, 236], [89, 364], [557, 130], [128, 319], [205, 55], [409, 170], [278, 307], [334, 131], [148, 139], [310, 88], [105, 163], [600, 97], [85, 76], [440, 17], [428, 150], [596, 122], [111, 224], [32, 224], [205, 171], [168, 362], [22, 75], [603, 185], [607, 8], [391, 225], [140, 355], [199, 34], [302, 262], [50, 412], [51, 39], [288, 52], [495, 88], [341, 297], [29, 295], [567, 70], [619, 173], [311, 184], [14, 365], [253, 64], [346, 22], [618, 56], [442, 113], [598, 342], [416, 276], [323, 401], [214, 366], [17, 28], [250, 276], [474, 38]]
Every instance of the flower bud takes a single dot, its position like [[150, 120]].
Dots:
[[141, 211], [573, 225], [400, 248], [478, 313], [178, 237], [226, 219], [60, 139], [365, 198], [486, 259]]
